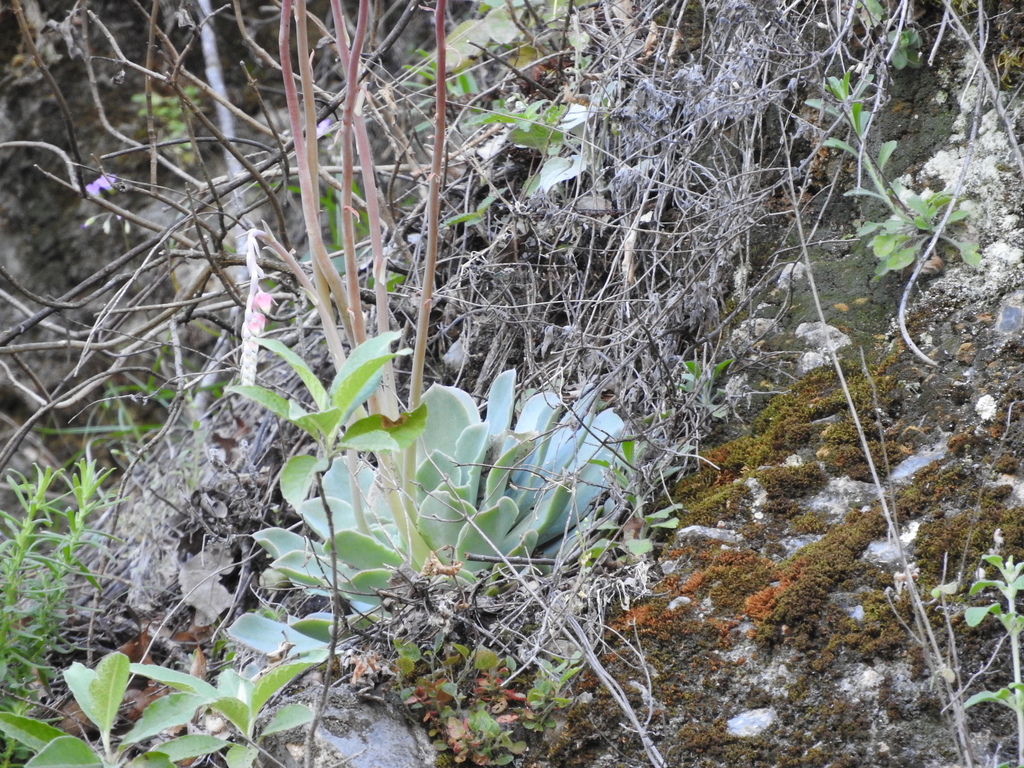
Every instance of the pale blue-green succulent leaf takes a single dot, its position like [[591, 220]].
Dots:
[[366, 584], [470, 454], [498, 476], [315, 516], [267, 636], [487, 534], [442, 515], [501, 400], [437, 471], [449, 412], [279, 542], [362, 551], [303, 567]]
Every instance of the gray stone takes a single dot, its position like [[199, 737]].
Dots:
[[354, 732]]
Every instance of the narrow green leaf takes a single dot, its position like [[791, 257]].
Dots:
[[885, 153], [240, 756], [186, 747], [181, 681], [79, 678], [362, 372], [316, 389], [65, 752], [297, 477], [106, 689], [287, 717], [997, 698], [166, 712], [269, 400], [861, 192], [33, 733], [839, 144], [975, 615], [273, 680], [151, 760], [235, 710]]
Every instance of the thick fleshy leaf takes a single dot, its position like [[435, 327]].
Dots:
[[449, 412], [366, 584], [436, 471], [342, 515], [305, 568], [487, 533], [266, 635], [501, 401], [499, 474], [442, 516], [361, 551], [278, 542], [470, 454]]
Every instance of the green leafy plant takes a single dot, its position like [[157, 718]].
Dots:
[[914, 218], [40, 552], [169, 117], [100, 692], [709, 398], [470, 704], [1012, 582], [481, 487]]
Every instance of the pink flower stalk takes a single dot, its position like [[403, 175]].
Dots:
[[256, 307]]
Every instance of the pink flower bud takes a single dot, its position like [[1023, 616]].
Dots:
[[262, 301], [255, 324]]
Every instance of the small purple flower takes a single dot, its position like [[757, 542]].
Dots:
[[323, 127], [103, 184]]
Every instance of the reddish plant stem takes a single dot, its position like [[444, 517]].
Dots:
[[433, 211]]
